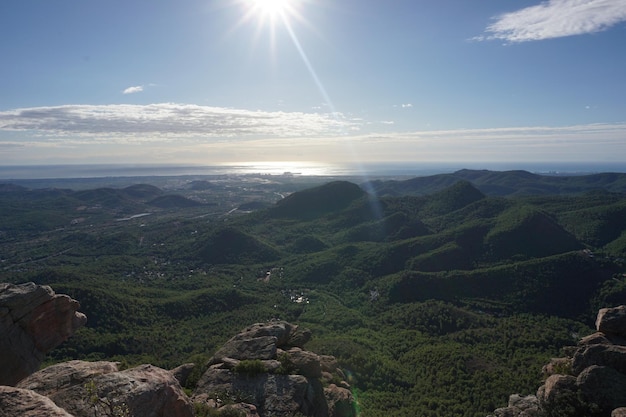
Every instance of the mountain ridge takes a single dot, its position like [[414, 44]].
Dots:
[[504, 183]]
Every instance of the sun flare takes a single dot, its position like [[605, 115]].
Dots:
[[270, 8]]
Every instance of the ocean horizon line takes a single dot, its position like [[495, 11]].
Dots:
[[370, 169]]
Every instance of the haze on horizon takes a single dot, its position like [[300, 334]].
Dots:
[[356, 81]]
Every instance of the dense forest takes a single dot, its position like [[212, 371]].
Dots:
[[439, 295]]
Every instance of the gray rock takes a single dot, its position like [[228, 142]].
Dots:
[[340, 402], [63, 375], [182, 372], [26, 403], [619, 412], [557, 391], [272, 392], [557, 366], [247, 348], [298, 337], [306, 363], [600, 338], [281, 330], [506, 412], [612, 320], [33, 321], [613, 356], [329, 363], [603, 386], [82, 388], [523, 402], [519, 406]]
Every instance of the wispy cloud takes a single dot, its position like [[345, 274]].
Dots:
[[555, 19], [178, 133], [133, 90], [170, 120]]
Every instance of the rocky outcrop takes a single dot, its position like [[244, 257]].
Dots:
[[266, 370], [590, 381], [33, 321], [26, 403], [84, 389], [527, 406], [262, 371]]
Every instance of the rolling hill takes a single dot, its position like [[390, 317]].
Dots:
[[435, 303]]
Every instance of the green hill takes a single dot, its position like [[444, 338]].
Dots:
[[438, 304], [528, 232], [231, 246], [318, 201], [173, 201]]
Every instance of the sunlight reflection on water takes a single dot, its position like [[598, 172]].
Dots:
[[288, 167]]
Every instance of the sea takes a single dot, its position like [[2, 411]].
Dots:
[[365, 170]]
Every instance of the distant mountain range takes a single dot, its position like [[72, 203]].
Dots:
[[503, 183]]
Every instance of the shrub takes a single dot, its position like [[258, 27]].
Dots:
[[250, 367], [287, 366]]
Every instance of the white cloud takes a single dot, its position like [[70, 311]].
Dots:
[[555, 19], [180, 133], [133, 90], [169, 120], [407, 106]]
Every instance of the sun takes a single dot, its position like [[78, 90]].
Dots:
[[270, 11], [270, 8]]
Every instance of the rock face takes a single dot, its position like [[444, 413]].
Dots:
[[27, 403], [33, 320], [590, 381], [84, 389], [266, 370]]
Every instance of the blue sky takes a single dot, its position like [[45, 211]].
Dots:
[[226, 81]]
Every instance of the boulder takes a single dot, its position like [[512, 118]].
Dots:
[[612, 320], [340, 402], [182, 372], [523, 403], [33, 321], [557, 392], [261, 340], [64, 375], [281, 330], [519, 406], [329, 363], [287, 383], [26, 403], [600, 338], [85, 388], [270, 394], [604, 387], [613, 356], [305, 363], [249, 348], [556, 366], [299, 337]]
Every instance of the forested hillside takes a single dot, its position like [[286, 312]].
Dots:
[[435, 303]]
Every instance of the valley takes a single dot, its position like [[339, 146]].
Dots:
[[438, 295]]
